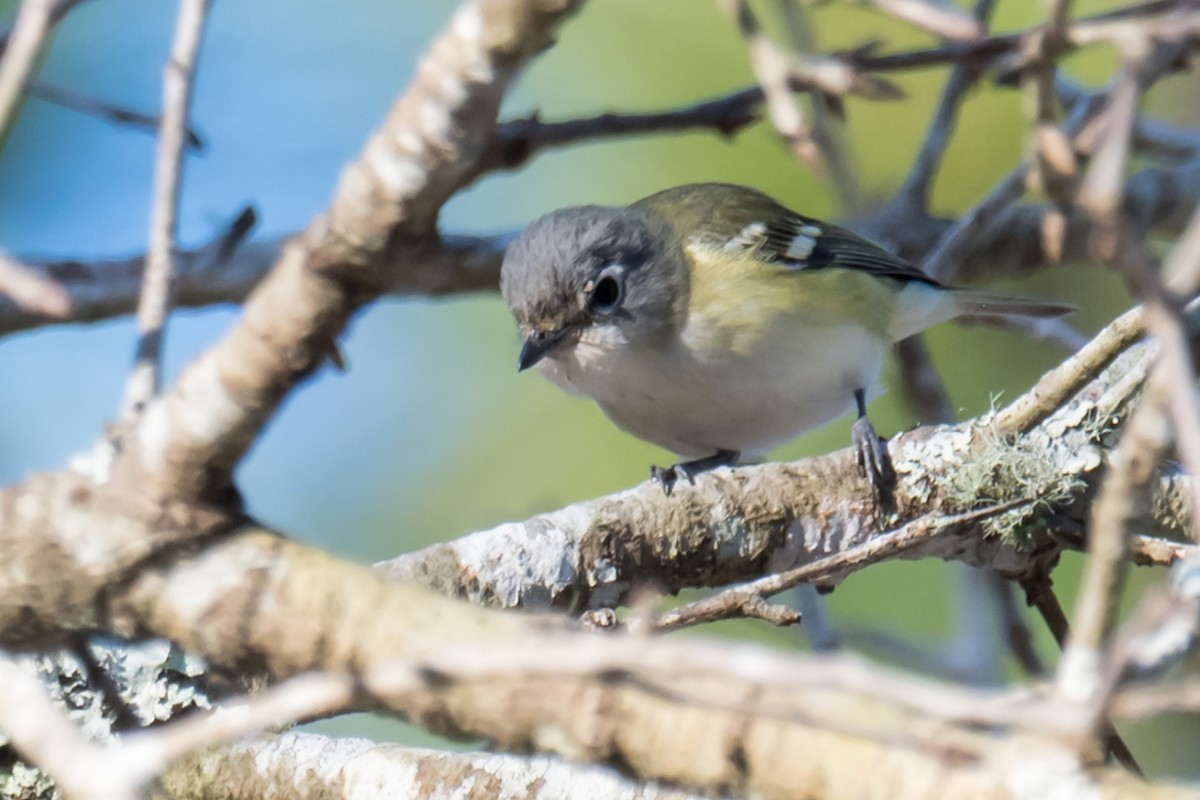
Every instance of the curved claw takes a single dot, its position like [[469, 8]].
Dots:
[[873, 458], [666, 477]]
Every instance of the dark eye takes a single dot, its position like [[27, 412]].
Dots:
[[606, 291]]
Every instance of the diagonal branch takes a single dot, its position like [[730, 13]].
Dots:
[[16, 62], [426, 149]]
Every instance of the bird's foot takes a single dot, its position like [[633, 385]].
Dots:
[[873, 459], [666, 477]]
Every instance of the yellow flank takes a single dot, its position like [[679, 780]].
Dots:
[[738, 301]]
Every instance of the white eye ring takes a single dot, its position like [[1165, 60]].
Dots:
[[603, 295]]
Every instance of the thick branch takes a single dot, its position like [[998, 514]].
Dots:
[[299, 764], [426, 149], [707, 716]]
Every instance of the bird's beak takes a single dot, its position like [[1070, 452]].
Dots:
[[538, 345]]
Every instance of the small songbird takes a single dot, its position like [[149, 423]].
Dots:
[[714, 322]]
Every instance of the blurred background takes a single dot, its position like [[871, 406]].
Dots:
[[431, 433]]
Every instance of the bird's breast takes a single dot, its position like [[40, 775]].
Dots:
[[709, 389]]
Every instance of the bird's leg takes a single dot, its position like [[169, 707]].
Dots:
[[666, 476], [872, 452]]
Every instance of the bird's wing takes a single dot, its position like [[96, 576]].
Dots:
[[738, 220], [796, 242]]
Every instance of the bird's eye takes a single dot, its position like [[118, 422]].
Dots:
[[604, 294]]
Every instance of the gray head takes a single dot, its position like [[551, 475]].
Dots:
[[607, 276]]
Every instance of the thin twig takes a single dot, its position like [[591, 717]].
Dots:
[[1016, 631], [939, 18], [29, 31], [1131, 467], [1159, 552], [772, 70], [830, 568], [110, 112], [923, 387], [31, 291], [1073, 374], [1141, 702], [924, 391], [916, 187], [518, 140], [58, 10], [1181, 276], [1052, 167], [1161, 16], [1039, 593], [42, 734], [153, 306], [826, 130]]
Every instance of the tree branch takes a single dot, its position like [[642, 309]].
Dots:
[[192, 437]]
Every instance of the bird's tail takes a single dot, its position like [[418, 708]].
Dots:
[[986, 303], [920, 306]]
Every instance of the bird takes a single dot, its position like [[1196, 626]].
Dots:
[[716, 323]]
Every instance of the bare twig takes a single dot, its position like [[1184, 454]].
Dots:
[[1016, 631], [518, 140], [1131, 467], [939, 18], [943, 260], [772, 69], [1101, 191], [1159, 552], [826, 130], [916, 187], [1181, 275], [923, 386], [1141, 702], [84, 104], [122, 770], [887, 545], [31, 292], [42, 734], [33, 20], [154, 305], [924, 391], [1039, 593], [1064, 380], [1052, 166], [58, 10], [1158, 17]]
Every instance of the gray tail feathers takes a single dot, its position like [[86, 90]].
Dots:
[[1003, 304]]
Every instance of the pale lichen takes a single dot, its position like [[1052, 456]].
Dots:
[[1048, 467]]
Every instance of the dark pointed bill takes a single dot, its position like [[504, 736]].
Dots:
[[538, 345]]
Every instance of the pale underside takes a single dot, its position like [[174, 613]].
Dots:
[[694, 401]]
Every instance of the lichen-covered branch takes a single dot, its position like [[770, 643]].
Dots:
[[735, 524], [525, 683], [292, 764]]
